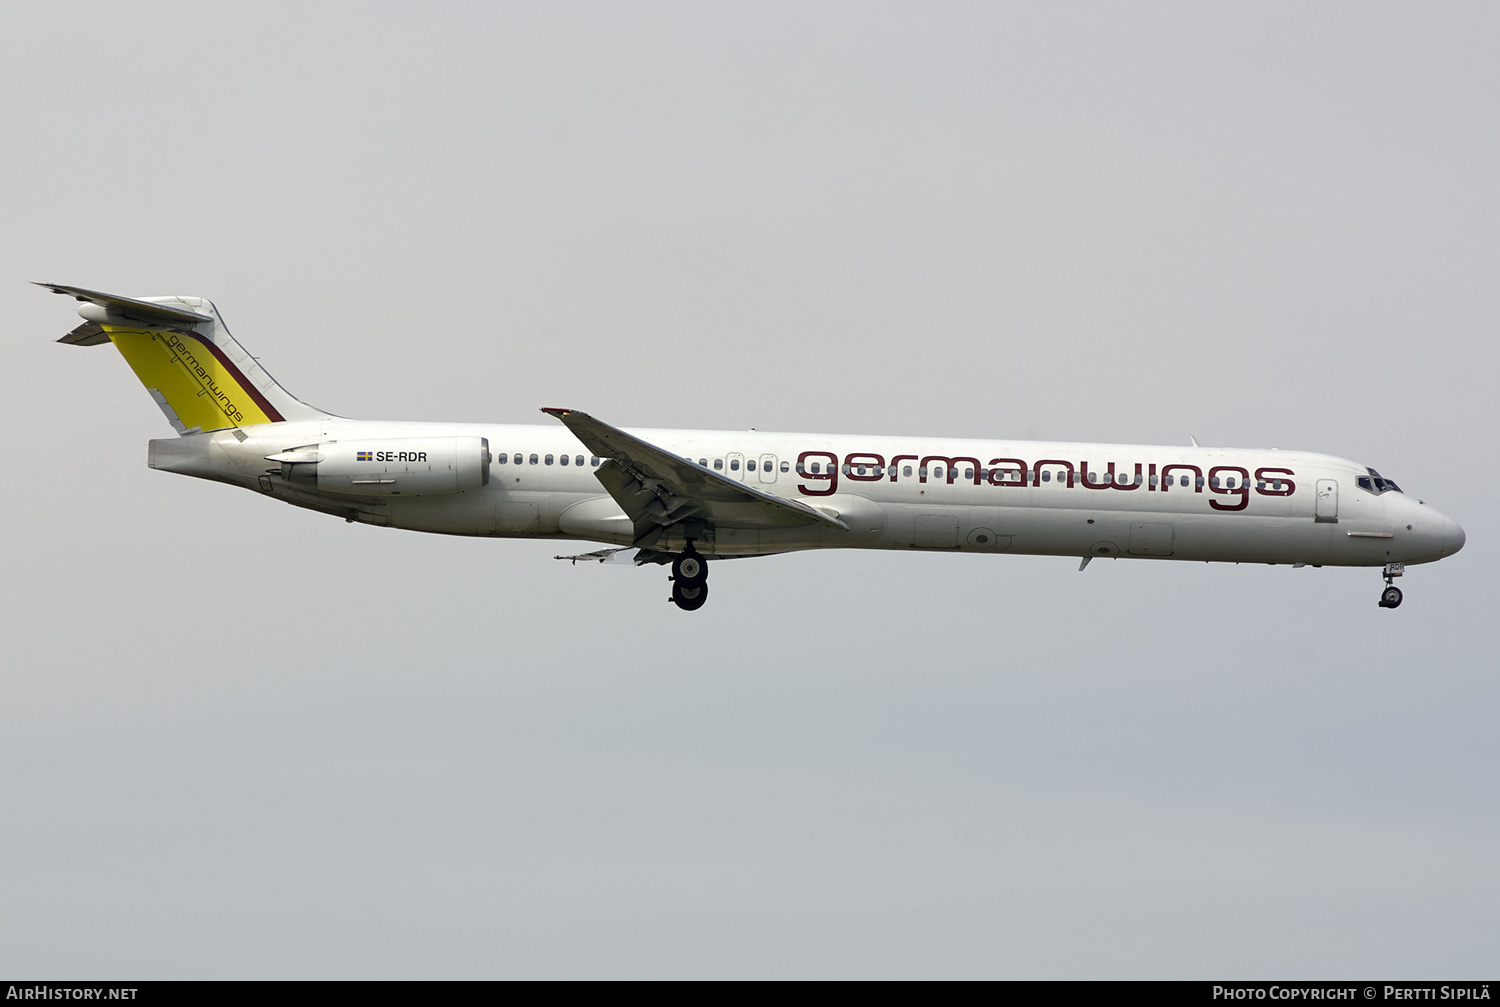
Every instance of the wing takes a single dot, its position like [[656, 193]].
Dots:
[[656, 488]]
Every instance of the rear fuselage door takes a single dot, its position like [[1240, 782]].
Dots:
[[1327, 505]]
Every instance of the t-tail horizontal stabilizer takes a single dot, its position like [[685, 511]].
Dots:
[[183, 353]]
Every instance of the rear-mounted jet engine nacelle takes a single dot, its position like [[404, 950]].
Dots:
[[397, 466]]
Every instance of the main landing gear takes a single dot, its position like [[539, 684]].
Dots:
[[1391, 596], [689, 580]]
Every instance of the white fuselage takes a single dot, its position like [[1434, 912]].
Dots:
[[963, 495]]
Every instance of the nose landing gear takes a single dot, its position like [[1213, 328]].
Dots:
[[1391, 596], [689, 580]]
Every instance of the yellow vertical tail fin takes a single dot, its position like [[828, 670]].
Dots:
[[181, 350]]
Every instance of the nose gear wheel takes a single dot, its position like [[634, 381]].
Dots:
[[1391, 596]]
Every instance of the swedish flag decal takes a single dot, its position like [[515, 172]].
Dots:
[[364, 456]]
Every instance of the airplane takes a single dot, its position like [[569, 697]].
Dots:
[[690, 497]]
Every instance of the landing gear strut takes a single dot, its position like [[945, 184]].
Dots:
[[1391, 596], [689, 580]]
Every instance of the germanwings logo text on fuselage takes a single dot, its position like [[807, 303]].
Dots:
[[823, 469]]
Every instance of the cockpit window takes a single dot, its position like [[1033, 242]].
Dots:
[[1376, 483]]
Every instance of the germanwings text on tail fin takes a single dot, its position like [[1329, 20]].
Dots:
[[687, 497], [183, 353]]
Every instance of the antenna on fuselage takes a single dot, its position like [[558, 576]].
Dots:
[[1195, 441]]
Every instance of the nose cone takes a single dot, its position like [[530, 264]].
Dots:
[[1453, 537]]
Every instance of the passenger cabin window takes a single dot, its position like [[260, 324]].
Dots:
[[906, 471], [594, 460], [502, 458], [718, 463], [548, 459], [785, 467], [563, 460], [750, 465], [533, 459]]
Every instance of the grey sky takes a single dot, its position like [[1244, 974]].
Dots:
[[242, 740]]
